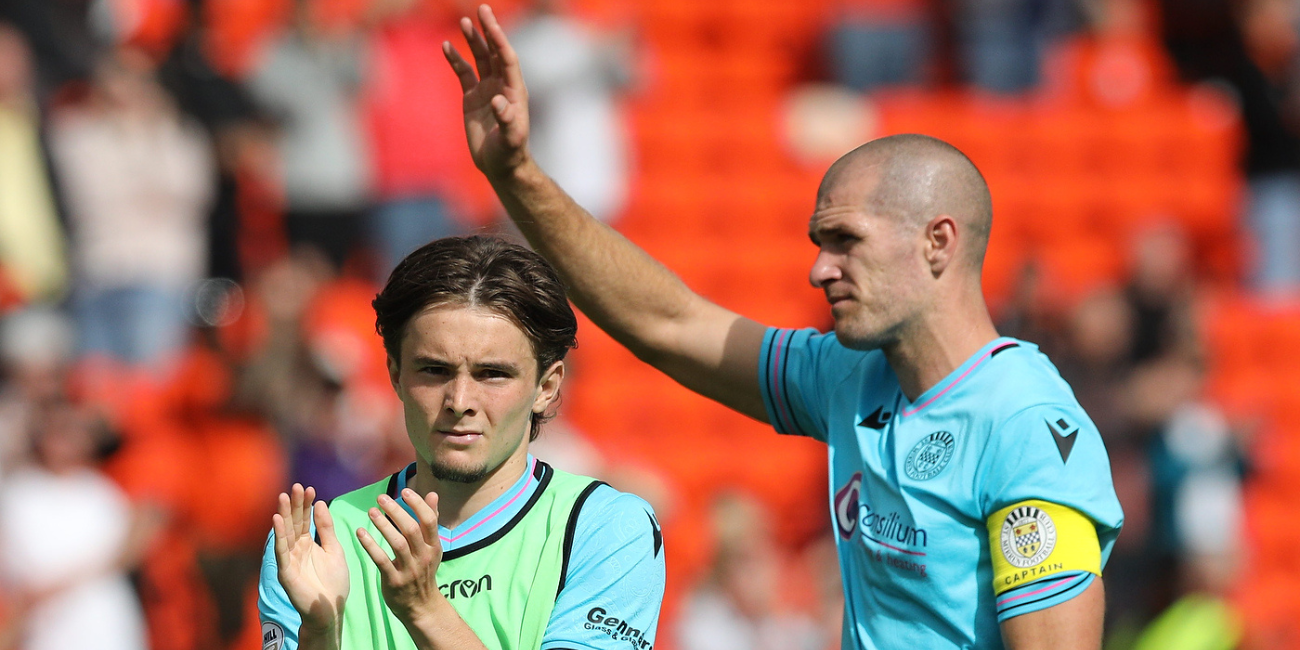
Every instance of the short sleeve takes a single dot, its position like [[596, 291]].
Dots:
[[280, 621], [614, 585], [795, 370], [1052, 453]]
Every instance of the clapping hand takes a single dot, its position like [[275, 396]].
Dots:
[[496, 101], [408, 580], [315, 576]]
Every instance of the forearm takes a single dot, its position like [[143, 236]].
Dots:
[[635, 299], [1075, 624], [622, 289], [442, 628]]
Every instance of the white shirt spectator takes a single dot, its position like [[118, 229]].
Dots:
[[62, 534]]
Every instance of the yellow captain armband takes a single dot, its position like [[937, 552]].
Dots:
[[1036, 539]]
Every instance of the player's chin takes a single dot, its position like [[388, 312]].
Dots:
[[855, 335], [457, 468]]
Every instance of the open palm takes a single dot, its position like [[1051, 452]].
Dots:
[[496, 100], [315, 576]]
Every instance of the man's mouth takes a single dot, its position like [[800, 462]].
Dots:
[[461, 436]]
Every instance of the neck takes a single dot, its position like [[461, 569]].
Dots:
[[938, 344], [457, 502]]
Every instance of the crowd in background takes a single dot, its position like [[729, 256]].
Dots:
[[198, 199]]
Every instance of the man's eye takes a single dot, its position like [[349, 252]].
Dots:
[[438, 371]]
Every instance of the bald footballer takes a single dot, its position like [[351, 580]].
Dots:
[[971, 495]]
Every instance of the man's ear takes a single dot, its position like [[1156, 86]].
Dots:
[[940, 243], [394, 371], [549, 387]]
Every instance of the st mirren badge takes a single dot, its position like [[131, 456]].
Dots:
[[929, 456], [1028, 537]]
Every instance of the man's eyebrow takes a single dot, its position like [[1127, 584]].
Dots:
[[429, 361], [502, 366]]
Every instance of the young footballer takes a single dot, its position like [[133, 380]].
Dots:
[[476, 544]]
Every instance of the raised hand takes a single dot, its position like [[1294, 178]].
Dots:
[[496, 101], [408, 581], [315, 576]]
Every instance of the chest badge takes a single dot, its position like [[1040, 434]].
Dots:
[[930, 456]]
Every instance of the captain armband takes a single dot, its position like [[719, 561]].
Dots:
[[1034, 539]]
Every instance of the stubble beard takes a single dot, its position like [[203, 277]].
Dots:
[[855, 334], [458, 474]]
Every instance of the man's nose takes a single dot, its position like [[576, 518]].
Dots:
[[459, 398], [825, 269]]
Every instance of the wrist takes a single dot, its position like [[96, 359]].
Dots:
[[523, 173], [319, 628], [432, 620], [320, 636]]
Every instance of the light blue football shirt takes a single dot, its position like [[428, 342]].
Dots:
[[615, 569], [913, 484]]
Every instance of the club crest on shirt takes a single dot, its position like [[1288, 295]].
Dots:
[[1028, 536], [929, 456]]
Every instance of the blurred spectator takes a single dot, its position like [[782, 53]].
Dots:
[[1160, 293], [426, 186], [319, 374], [59, 33], [72, 586], [309, 82], [36, 347], [574, 77], [877, 43], [32, 265], [224, 109], [741, 606], [1252, 47], [138, 178], [1000, 43]]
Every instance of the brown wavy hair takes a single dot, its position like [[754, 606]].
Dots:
[[481, 271]]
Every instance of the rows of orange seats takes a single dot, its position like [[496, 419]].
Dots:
[[1253, 348]]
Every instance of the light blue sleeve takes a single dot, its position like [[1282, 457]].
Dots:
[[1052, 452], [280, 621], [614, 585], [795, 370], [1041, 594]]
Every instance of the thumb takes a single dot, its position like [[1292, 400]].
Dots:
[[501, 108]]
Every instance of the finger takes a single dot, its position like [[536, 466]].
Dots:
[[378, 556], [401, 548], [296, 494], [281, 531], [325, 528], [404, 522], [477, 47], [308, 502], [464, 72], [504, 55], [426, 513]]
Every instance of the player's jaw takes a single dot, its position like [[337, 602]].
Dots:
[[463, 452]]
